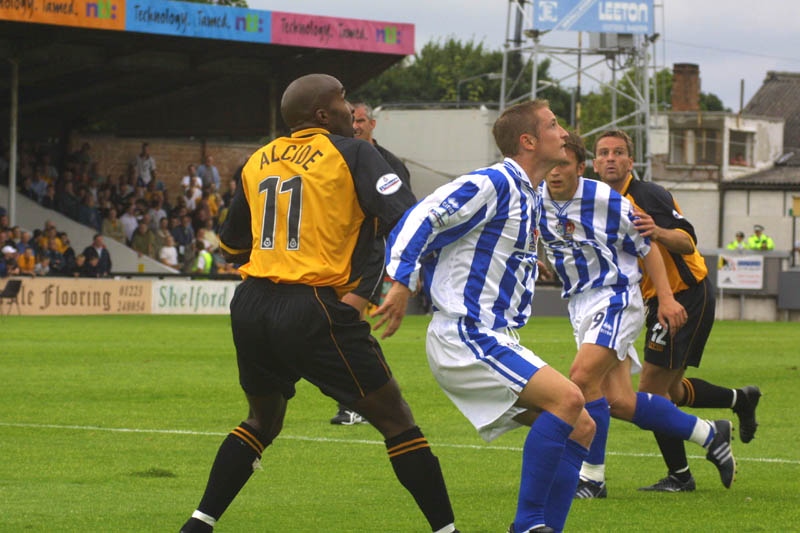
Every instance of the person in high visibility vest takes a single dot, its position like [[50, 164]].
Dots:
[[759, 241], [739, 243], [203, 259]]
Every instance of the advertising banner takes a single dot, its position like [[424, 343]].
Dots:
[[80, 296], [198, 20], [182, 297], [603, 16], [342, 34], [740, 272], [99, 14]]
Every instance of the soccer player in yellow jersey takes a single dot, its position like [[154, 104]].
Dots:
[[303, 222], [669, 353]]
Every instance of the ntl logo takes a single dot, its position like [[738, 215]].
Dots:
[[388, 35], [251, 23], [102, 9]]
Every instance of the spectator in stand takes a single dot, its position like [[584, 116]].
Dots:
[[42, 267], [112, 227], [50, 172], [4, 221], [25, 242], [89, 215], [81, 158], [26, 189], [90, 268], [759, 241], [161, 233], [50, 234], [129, 222], [144, 241], [214, 201], [203, 262], [191, 179], [210, 237], [67, 251], [184, 234], [99, 251], [156, 212], [67, 203], [209, 173], [48, 201], [201, 213], [145, 166], [739, 243], [26, 262], [228, 196], [39, 185], [168, 254], [57, 263], [192, 196], [9, 261], [77, 269]]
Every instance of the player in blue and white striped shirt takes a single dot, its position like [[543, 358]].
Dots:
[[589, 234], [473, 243]]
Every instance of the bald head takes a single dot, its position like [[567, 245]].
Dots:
[[316, 100]]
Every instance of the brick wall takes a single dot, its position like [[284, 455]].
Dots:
[[172, 156]]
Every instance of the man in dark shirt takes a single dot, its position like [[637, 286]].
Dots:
[[370, 288]]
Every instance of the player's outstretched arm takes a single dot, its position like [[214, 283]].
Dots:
[[671, 314], [393, 309], [674, 240]]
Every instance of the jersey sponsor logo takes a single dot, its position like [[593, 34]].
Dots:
[[388, 184], [565, 228], [676, 214]]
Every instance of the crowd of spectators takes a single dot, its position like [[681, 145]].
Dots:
[[135, 209]]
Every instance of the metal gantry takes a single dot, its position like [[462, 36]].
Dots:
[[629, 54]]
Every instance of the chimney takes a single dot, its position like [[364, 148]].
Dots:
[[685, 87]]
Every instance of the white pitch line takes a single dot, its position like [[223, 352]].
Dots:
[[358, 441]]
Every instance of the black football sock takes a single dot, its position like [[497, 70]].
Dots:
[[419, 472], [674, 453], [236, 459], [701, 394]]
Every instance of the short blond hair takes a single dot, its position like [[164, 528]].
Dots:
[[513, 122]]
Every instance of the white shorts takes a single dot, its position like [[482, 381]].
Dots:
[[481, 370], [609, 317]]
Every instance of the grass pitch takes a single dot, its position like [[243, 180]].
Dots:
[[110, 424]]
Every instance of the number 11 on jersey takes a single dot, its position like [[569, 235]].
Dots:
[[293, 186]]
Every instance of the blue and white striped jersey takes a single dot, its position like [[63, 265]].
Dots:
[[591, 240], [474, 240]]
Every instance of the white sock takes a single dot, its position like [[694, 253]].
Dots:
[[595, 473], [203, 517], [702, 433], [449, 528]]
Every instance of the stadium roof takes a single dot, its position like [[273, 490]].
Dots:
[[175, 68]]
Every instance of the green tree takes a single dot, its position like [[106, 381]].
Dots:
[[433, 75]]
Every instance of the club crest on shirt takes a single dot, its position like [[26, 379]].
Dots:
[[565, 228], [533, 238], [676, 214]]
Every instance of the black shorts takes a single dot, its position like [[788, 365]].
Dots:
[[686, 349], [371, 285], [286, 332]]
